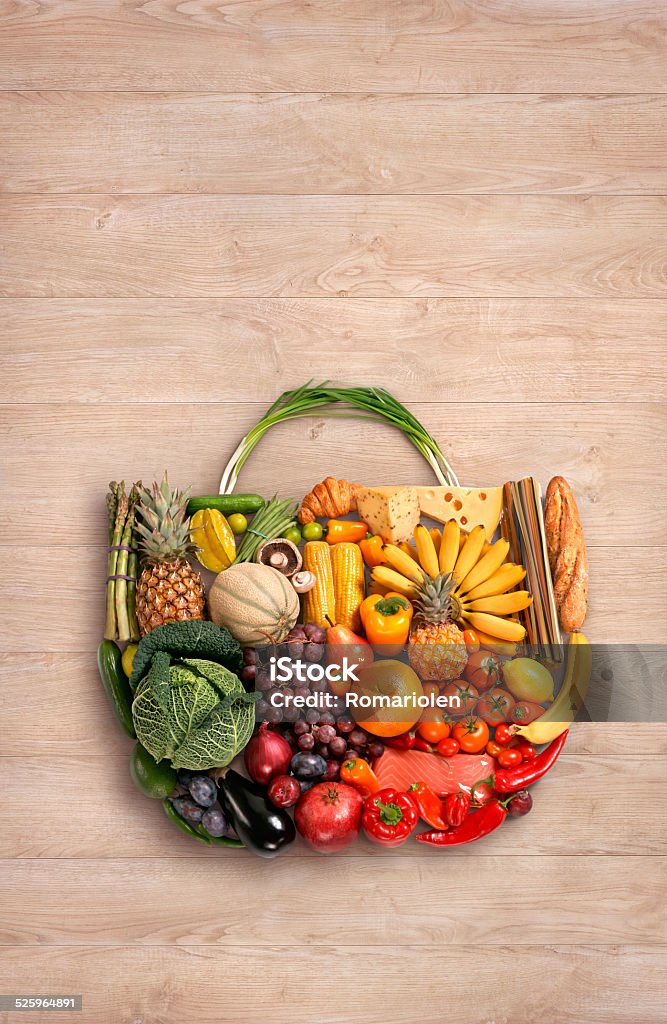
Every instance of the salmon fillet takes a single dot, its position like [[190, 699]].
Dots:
[[400, 768]]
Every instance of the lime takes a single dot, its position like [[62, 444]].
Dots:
[[128, 659], [293, 534], [238, 523], [312, 531], [154, 779]]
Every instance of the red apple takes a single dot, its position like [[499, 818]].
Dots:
[[343, 642], [328, 816]]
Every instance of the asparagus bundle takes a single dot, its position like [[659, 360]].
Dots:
[[121, 620]]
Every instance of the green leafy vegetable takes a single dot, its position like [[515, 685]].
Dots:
[[193, 713], [195, 638]]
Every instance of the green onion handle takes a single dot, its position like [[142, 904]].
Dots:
[[372, 404]]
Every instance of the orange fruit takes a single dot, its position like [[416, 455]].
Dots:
[[386, 679]]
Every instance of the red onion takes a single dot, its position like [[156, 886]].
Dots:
[[267, 754]]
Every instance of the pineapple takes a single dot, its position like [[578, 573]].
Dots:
[[169, 589], [436, 648]]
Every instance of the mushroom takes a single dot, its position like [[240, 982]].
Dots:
[[303, 581], [280, 554]]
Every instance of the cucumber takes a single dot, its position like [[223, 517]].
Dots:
[[227, 503], [116, 685]]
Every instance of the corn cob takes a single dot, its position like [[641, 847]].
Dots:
[[348, 581], [428, 558], [319, 604]]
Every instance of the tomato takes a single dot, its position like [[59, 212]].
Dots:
[[493, 748], [471, 640], [483, 670], [482, 793], [527, 750], [510, 757], [433, 732], [429, 713], [473, 735], [466, 693], [495, 706], [525, 711], [448, 747], [503, 735]]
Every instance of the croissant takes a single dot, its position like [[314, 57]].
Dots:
[[329, 499]]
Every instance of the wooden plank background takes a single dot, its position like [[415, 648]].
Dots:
[[202, 204]]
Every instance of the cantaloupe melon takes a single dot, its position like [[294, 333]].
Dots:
[[256, 603]]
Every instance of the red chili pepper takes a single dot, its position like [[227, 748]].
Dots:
[[389, 817], [405, 741], [422, 744], [511, 779], [477, 825], [457, 806], [429, 805]]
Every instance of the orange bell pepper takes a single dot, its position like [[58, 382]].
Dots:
[[358, 773], [341, 531], [372, 550], [386, 620]]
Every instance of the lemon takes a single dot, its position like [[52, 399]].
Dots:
[[527, 679], [128, 659]]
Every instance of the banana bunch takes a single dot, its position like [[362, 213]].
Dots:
[[481, 581], [557, 718]]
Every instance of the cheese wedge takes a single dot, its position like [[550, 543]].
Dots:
[[469, 506], [391, 512]]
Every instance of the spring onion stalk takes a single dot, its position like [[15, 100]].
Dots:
[[271, 521], [374, 404]]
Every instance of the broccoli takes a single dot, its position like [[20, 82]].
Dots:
[[194, 638]]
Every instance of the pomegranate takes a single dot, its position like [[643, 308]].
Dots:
[[328, 816]]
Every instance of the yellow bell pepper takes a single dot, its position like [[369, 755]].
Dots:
[[386, 621], [213, 536]]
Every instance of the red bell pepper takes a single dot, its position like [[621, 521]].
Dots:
[[457, 806], [389, 817]]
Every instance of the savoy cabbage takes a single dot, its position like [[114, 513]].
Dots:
[[193, 713]]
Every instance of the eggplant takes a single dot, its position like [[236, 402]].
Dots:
[[265, 829]]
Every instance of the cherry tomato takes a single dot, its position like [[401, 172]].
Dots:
[[483, 670], [503, 735], [433, 732], [526, 711], [510, 757], [493, 748], [495, 706], [527, 750], [466, 693], [472, 734], [448, 747], [471, 640], [482, 793]]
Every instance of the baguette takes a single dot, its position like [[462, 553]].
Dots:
[[568, 558]]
